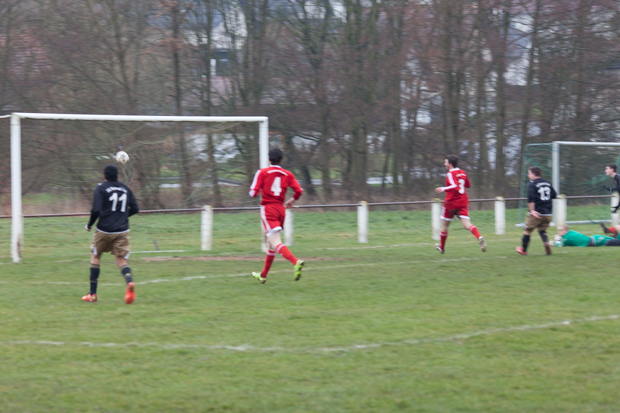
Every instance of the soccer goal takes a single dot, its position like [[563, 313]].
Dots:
[[56, 160], [576, 170]]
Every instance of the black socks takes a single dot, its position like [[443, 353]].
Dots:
[[526, 241], [543, 235], [94, 275], [126, 271]]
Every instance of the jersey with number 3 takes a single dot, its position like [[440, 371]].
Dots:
[[272, 183], [456, 195]]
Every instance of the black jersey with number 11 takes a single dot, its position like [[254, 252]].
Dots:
[[541, 193], [113, 203]]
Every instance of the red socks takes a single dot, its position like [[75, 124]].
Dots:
[[286, 253], [271, 255], [474, 231], [443, 236]]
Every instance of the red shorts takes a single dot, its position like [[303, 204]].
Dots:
[[461, 213], [272, 217]]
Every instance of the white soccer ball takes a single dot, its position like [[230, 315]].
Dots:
[[122, 157]]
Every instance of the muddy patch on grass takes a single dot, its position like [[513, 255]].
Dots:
[[232, 258]]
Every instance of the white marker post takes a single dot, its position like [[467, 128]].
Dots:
[[206, 228], [362, 222], [559, 210], [263, 243], [436, 219], [17, 217], [500, 216], [288, 227]]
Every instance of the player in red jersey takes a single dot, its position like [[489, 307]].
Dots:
[[456, 203], [272, 183]]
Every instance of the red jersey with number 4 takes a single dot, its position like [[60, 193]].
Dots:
[[456, 196], [272, 183]]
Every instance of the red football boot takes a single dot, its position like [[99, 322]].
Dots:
[[130, 293], [91, 298]]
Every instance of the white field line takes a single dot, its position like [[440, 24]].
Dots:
[[418, 244], [87, 256], [155, 252], [251, 348], [306, 269]]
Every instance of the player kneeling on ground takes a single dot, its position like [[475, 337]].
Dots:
[[272, 183], [113, 204], [568, 238], [540, 195]]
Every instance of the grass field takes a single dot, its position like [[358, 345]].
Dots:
[[387, 326]]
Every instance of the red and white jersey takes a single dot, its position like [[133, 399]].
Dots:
[[272, 183], [456, 182]]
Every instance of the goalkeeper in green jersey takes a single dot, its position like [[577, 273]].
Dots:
[[568, 238]]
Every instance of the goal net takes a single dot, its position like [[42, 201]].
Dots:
[[177, 165], [576, 170]]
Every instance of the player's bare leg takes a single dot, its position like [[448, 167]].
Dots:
[[130, 291], [472, 228], [95, 261], [275, 243]]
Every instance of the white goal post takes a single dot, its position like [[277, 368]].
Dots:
[[560, 213], [555, 157], [17, 219]]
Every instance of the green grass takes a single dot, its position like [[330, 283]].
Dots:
[[388, 326]]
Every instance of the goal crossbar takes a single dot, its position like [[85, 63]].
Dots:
[[17, 221]]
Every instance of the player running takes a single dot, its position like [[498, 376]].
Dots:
[[456, 203], [540, 196], [113, 204], [272, 183]]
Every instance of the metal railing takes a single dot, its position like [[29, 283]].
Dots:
[[323, 206]]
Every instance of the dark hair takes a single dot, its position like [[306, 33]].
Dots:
[[612, 166], [453, 160], [275, 156], [535, 170], [111, 173]]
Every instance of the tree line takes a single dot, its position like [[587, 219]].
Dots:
[[354, 89]]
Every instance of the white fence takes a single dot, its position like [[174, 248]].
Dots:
[[363, 216], [560, 209]]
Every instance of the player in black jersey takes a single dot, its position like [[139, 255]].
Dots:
[[611, 170], [113, 204], [540, 195]]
